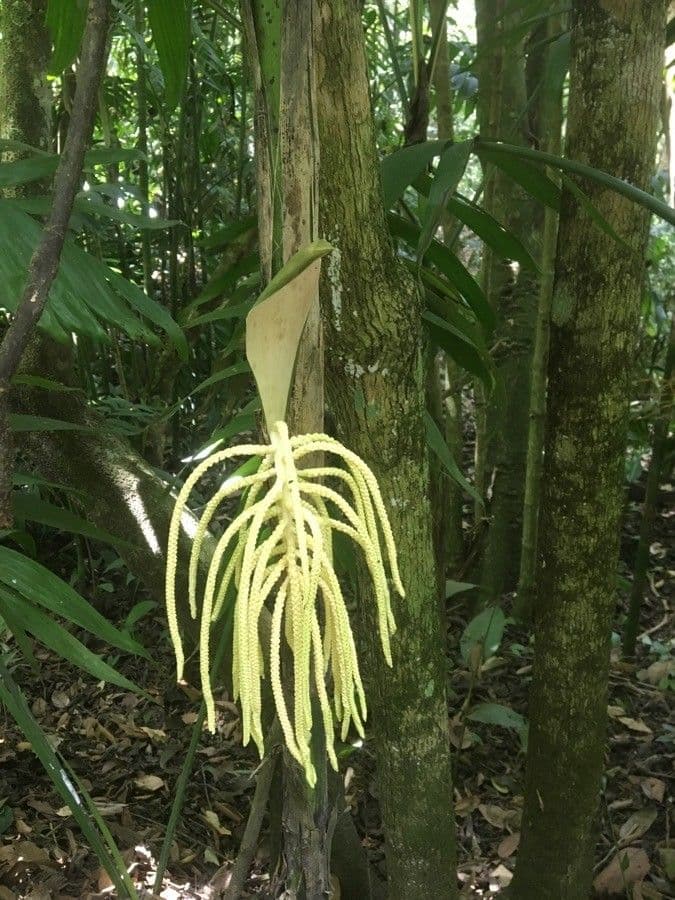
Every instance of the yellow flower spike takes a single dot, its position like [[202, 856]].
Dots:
[[174, 534], [231, 486], [278, 550]]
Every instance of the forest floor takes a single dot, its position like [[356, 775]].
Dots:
[[128, 752]]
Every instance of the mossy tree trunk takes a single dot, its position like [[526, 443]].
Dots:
[[24, 93], [375, 386], [615, 78], [505, 113]]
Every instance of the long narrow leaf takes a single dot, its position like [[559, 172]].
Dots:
[[15, 702], [437, 443], [642, 198], [451, 167], [53, 635], [42, 587]]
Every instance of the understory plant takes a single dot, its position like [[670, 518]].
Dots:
[[279, 545]]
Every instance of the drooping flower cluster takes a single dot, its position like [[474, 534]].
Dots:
[[279, 548]]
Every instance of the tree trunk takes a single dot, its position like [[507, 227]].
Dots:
[[445, 387], [25, 102], [615, 78], [550, 127], [502, 418], [375, 385]]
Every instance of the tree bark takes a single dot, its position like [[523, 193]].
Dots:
[[375, 387], [25, 105], [615, 81]]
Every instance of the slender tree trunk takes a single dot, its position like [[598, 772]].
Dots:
[[504, 110], [550, 126], [615, 78], [375, 385], [659, 445], [445, 388]]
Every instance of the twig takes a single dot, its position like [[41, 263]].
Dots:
[[44, 263], [249, 841]]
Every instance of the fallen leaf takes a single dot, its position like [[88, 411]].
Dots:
[[498, 817], [637, 825], [6, 894], [642, 890], [509, 845], [635, 724], [501, 875], [667, 858], [149, 782], [24, 852], [60, 699], [627, 867], [189, 718], [210, 857], [653, 788], [658, 670], [212, 819], [615, 711]]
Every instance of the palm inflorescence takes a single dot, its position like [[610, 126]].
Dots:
[[278, 549]]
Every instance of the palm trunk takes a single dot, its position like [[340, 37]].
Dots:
[[617, 54], [550, 130], [502, 419], [445, 387], [375, 385]]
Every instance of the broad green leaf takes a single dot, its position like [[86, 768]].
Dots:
[[170, 25], [487, 629], [28, 506], [451, 167], [488, 229], [155, 312], [85, 293], [42, 587], [23, 171], [65, 20], [46, 630], [496, 714], [81, 809], [402, 167], [439, 446]]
